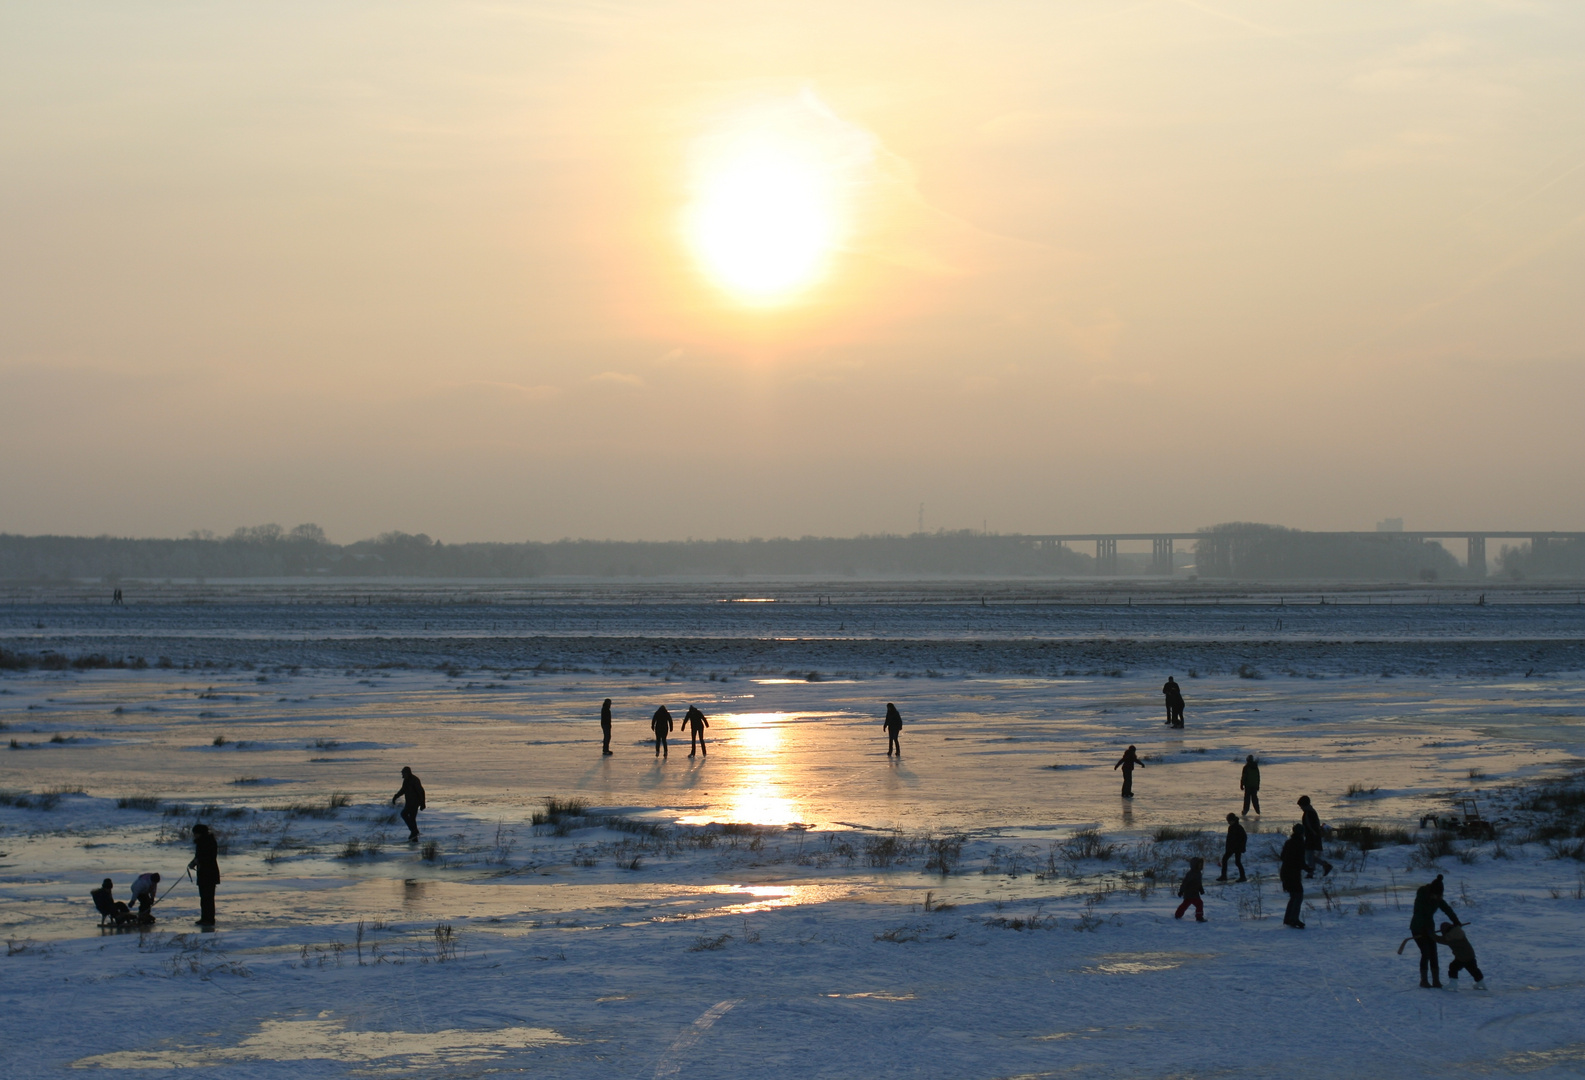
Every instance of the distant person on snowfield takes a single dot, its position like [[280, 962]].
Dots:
[[695, 722], [605, 727], [1291, 875], [1312, 840], [412, 796], [661, 724], [893, 724], [1463, 952], [1249, 781], [1192, 889], [1422, 927], [1174, 695], [145, 890], [206, 860], [1128, 763], [1237, 844]]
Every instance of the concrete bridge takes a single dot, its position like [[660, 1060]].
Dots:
[[1161, 543]]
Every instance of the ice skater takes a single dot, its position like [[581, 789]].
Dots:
[[695, 722], [1128, 763], [1192, 889], [661, 724], [1249, 782], [206, 860], [1237, 844], [1422, 927], [1313, 836], [605, 727], [893, 725], [1463, 952], [1291, 874], [145, 890], [1174, 695], [412, 796]]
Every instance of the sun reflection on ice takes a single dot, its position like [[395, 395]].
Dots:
[[758, 795]]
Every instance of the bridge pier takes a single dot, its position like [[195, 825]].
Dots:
[[1106, 555], [1477, 556], [1161, 556]]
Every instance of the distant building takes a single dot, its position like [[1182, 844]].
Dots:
[[1390, 525]]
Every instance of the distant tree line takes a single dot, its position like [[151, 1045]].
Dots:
[[270, 551], [1272, 553], [1546, 560], [1236, 550]]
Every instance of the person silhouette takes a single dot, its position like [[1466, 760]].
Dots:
[[695, 722], [206, 851], [661, 724], [893, 725], [1249, 781], [1128, 763], [412, 796], [605, 727], [1174, 698]]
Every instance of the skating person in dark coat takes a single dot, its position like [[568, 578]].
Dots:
[[1249, 781], [1128, 763], [1312, 840], [1292, 876], [1192, 889], [1463, 952], [893, 724], [605, 727], [661, 724], [145, 890], [206, 861], [1174, 695], [695, 723], [412, 796], [1237, 844], [1422, 927]]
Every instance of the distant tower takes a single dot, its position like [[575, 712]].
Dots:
[[921, 517]]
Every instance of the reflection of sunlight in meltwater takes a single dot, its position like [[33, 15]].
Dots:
[[757, 797]]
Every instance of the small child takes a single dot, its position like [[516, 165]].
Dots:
[[1463, 952], [1191, 890]]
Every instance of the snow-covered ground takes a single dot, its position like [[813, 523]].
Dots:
[[793, 904]]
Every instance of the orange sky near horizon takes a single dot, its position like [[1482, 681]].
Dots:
[[647, 271]]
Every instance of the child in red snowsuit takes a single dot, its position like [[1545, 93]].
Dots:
[[1191, 891]]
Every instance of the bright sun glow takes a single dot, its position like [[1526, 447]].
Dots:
[[768, 212]]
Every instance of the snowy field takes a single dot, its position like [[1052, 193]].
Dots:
[[794, 904]]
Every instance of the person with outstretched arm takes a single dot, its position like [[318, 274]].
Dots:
[[893, 725], [605, 727], [1249, 781], [145, 890], [206, 861], [412, 796], [1291, 874], [661, 724], [1422, 927], [1237, 844], [1128, 763], [695, 721]]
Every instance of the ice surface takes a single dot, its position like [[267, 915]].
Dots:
[[799, 948]]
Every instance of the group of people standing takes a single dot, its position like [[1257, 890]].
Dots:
[[694, 722]]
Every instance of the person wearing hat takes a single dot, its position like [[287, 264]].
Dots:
[[145, 890], [1422, 927], [206, 861]]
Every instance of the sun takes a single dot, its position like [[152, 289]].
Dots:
[[768, 212]]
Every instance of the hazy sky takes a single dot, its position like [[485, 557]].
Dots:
[[667, 269]]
